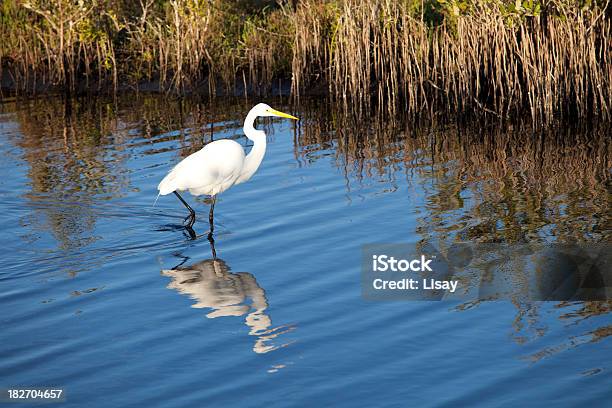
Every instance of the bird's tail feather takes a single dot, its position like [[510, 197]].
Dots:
[[167, 185]]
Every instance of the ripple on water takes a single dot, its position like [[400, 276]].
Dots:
[[102, 291]]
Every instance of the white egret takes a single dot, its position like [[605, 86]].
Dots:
[[219, 165]]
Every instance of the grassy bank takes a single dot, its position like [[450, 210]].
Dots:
[[501, 58]]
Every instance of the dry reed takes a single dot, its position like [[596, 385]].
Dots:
[[472, 56], [485, 60]]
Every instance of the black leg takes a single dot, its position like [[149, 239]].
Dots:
[[192, 216], [191, 232], [212, 246], [211, 219]]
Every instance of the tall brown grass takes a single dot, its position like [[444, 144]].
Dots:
[[181, 45], [491, 57], [50, 42], [486, 60]]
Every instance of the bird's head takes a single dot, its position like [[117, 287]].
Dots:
[[261, 109]]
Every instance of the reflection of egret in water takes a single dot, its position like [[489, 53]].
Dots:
[[211, 284]]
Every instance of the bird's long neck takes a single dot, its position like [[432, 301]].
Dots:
[[255, 156]]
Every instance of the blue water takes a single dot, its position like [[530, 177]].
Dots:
[[107, 297]]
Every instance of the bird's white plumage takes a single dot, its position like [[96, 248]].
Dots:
[[211, 170], [222, 163]]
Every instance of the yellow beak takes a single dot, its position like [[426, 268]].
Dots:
[[281, 114]]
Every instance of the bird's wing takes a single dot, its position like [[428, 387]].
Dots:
[[217, 162]]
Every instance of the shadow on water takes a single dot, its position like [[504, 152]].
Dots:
[[229, 294]]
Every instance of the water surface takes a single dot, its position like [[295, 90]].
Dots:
[[107, 296]]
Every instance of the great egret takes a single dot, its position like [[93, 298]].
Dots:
[[219, 165]]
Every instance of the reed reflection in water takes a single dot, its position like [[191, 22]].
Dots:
[[494, 184], [77, 213], [511, 183], [212, 286]]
